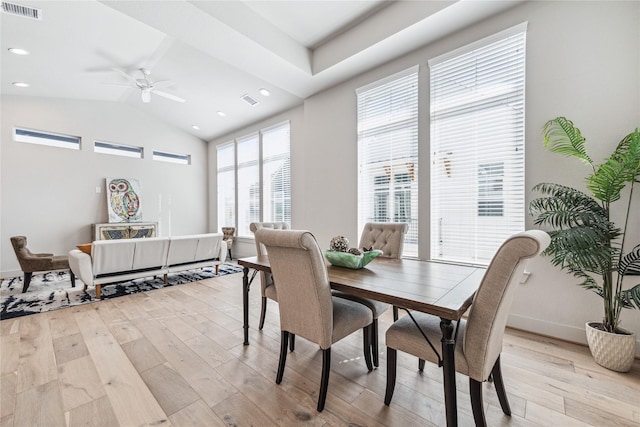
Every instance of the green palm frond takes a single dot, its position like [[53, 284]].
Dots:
[[628, 150], [630, 263], [630, 298], [562, 137], [589, 283], [565, 207], [581, 250], [621, 168]]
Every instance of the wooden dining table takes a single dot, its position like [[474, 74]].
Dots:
[[440, 289]]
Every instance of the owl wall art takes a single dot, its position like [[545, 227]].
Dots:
[[123, 200]]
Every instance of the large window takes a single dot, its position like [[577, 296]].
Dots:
[[276, 174], [227, 185], [259, 167], [477, 147], [388, 153]]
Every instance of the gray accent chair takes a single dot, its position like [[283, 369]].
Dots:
[[389, 238], [227, 237], [31, 263], [307, 308], [267, 289], [477, 353]]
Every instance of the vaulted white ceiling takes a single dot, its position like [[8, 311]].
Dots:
[[214, 52]]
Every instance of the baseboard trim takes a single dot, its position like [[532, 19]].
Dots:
[[569, 333]]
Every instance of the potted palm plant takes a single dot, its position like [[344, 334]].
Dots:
[[587, 243]]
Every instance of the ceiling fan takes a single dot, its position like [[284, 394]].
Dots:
[[148, 86]]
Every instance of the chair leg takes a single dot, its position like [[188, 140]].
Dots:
[[374, 342], [420, 365], [395, 313], [292, 342], [263, 313], [324, 381], [230, 257], [73, 279], [284, 340], [366, 334], [496, 373], [392, 355], [27, 281], [475, 390]]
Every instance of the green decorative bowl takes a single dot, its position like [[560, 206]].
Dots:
[[345, 259]]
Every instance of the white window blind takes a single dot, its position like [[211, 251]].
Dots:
[[248, 183], [477, 147], [46, 138], [226, 185], [276, 174], [388, 153]]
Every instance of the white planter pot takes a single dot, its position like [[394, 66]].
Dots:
[[613, 351]]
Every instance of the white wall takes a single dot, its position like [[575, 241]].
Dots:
[[583, 62], [49, 194]]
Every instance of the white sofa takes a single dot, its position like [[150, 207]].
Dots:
[[126, 259]]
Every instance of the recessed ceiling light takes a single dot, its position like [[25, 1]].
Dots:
[[264, 92], [18, 51], [20, 84], [196, 127], [222, 114]]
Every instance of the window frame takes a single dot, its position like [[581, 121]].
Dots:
[[477, 93], [388, 125], [167, 157], [46, 138], [103, 147], [256, 207]]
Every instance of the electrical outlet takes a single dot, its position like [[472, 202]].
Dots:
[[98, 190], [525, 277]]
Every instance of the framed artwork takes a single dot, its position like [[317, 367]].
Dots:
[[123, 200]]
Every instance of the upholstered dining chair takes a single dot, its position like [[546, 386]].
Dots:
[[267, 290], [31, 263], [307, 308], [477, 352], [227, 237], [389, 238]]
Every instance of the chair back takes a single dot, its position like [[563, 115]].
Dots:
[[266, 279], [227, 235], [302, 284], [254, 226], [488, 315], [29, 262], [228, 232], [386, 236]]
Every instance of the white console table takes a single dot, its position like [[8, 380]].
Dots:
[[124, 230]]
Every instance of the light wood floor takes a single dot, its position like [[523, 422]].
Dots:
[[175, 357]]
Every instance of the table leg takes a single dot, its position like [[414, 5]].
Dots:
[[449, 372], [245, 303]]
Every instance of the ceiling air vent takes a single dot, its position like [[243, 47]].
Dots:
[[19, 10], [249, 100]]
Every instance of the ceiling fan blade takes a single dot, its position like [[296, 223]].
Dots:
[[161, 83], [123, 74], [117, 84], [146, 96], [169, 96]]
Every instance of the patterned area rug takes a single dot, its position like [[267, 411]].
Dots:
[[51, 291]]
